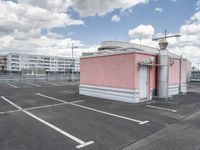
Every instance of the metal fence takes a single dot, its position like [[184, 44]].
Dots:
[[195, 76], [31, 78]]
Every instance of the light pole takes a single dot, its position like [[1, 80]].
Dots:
[[73, 61]]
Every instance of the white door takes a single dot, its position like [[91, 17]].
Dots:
[[144, 83]]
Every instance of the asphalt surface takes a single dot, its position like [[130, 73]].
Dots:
[[52, 115]]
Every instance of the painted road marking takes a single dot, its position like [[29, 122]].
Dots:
[[52, 83], [81, 142], [12, 85], [39, 107], [56, 99], [33, 84], [161, 108], [96, 110], [68, 92]]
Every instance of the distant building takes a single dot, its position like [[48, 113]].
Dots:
[[3, 63], [15, 62]]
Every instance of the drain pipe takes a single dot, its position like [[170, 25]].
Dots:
[[180, 74], [163, 69]]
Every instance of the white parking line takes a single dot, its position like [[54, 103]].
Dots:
[[33, 84], [39, 107], [52, 84], [12, 85], [81, 142], [59, 100], [96, 110], [161, 108], [68, 92]]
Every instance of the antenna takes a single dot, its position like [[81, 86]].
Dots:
[[166, 36], [140, 39]]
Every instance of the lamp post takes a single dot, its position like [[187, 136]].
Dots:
[[72, 62]]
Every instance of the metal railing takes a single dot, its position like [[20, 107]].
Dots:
[[31, 78]]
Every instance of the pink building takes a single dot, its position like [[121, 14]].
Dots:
[[128, 72]]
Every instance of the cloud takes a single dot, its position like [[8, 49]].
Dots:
[[45, 45], [24, 17], [158, 9], [173, 1], [22, 22], [102, 7], [147, 42], [146, 31], [187, 45], [198, 5], [53, 5], [115, 18]]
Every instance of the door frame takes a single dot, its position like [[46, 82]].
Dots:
[[147, 84]]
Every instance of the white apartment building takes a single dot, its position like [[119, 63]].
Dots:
[[17, 62]]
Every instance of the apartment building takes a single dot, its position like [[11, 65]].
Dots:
[[15, 62], [3, 63]]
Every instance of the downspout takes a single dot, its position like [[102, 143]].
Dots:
[[156, 81], [180, 76]]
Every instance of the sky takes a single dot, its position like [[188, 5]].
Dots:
[[49, 27]]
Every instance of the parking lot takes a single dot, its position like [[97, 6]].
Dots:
[[52, 115]]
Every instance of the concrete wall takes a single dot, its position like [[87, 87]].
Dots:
[[117, 76], [116, 71], [177, 77], [174, 72], [152, 70], [114, 77], [188, 71]]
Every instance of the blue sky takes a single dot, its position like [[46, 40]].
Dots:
[[100, 28], [51, 26]]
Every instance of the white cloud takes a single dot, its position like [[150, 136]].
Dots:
[[52, 5], [147, 42], [115, 18], [24, 17], [22, 22], [173, 1], [158, 9], [146, 31], [101, 7], [187, 45], [45, 45], [198, 5]]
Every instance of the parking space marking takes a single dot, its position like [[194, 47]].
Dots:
[[68, 92], [12, 85], [161, 108], [42, 95], [52, 83], [39, 107], [81, 142], [33, 84], [96, 110]]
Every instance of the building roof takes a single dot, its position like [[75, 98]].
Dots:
[[11, 53], [118, 47]]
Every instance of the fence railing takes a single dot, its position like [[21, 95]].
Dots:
[[195, 77], [31, 78]]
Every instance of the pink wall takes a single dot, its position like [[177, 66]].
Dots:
[[110, 71], [119, 71], [174, 72], [152, 71], [183, 71]]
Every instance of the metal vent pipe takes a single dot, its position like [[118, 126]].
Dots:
[[163, 69]]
